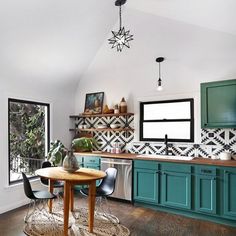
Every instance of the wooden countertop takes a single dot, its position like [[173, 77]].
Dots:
[[196, 160]]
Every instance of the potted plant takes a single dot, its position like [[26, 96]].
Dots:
[[83, 144], [57, 153]]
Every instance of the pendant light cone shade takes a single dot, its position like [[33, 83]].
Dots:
[[121, 37], [159, 81]]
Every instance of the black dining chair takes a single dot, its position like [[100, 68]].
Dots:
[[45, 182], [56, 185], [105, 189], [38, 200]]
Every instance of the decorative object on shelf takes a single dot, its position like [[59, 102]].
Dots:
[[159, 82], [102, 126], [70, 163], [122, 37], [114, 126], [83, 144], [116, 110], [123, 106], [225, 156], [94, 103], [56, 153], [106, 110]]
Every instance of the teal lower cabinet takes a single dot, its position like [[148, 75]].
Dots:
[[146, 182], [92, 162], [177, 190], [200, 191], [143, 179], [229, 188], [205, 189]]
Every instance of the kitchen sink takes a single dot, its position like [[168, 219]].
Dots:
[[184, 158]]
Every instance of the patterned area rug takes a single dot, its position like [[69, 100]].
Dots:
[[103, 225]]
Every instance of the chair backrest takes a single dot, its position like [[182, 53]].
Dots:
[[108, 183], [45, 165], [27, 187]]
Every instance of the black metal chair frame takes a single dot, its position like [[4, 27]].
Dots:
[[38, 202], [103, 190], [56, 185]]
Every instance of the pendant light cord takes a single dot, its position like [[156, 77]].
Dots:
[[159, 70], [120, 17]]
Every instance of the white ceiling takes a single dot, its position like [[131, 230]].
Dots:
[[213, 14], [54, 41]]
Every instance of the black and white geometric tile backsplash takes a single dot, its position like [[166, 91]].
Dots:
[[213, 141], [108, 138]]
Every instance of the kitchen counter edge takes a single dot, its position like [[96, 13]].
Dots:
[[131, 156]]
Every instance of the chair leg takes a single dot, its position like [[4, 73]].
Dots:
[[29, 214], [104, 209]]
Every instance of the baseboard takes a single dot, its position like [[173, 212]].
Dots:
[[13, 206]]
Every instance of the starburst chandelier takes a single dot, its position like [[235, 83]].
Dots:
[[122, 37]]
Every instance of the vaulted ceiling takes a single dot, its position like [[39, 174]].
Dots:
[[53, 42]]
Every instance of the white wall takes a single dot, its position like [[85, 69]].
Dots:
[[61, 105], [192, 55]]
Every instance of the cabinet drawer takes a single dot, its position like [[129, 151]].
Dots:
[[206, 170], [92, 160], [151, 165], [183, 168], [79, 158]]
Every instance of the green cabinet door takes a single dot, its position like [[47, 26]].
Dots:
[[218, 104], [176, 189], [96, 167], [230, 193], [205, 194], [146, 186]]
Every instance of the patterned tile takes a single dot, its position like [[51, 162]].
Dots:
[[213, 141]]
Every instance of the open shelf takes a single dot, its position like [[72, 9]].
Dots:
[[100, 115], [103, 129]]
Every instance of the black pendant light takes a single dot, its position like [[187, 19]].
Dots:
[[122, 37], [159, 82]]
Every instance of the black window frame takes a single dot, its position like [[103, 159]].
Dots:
[[48, 133], [191, 120]]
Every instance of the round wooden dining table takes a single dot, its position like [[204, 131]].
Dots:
[[82, 176]]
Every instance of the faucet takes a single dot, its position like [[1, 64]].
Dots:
[[166, 143]]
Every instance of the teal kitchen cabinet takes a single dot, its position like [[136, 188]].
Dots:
[[218, 104], [205, 189], [92, 162], [176, 185], [229, 188], [146, 182]]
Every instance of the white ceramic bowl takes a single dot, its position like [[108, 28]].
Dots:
[[101, 126], [225, 156], [114, 126]]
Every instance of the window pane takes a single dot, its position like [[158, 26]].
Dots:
[[172, 110], [175, 130], [28, 134]]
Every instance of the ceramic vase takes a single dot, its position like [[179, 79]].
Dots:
[[123, 106], [70, 163]]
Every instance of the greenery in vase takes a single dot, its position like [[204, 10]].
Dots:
[[83, 144], [57, 153]]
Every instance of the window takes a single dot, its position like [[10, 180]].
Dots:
[[28, 137], [173, 117]]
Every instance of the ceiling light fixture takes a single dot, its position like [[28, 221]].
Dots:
[[122, 37], [159, 82]]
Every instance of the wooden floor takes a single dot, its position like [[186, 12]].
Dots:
[[140, 221]]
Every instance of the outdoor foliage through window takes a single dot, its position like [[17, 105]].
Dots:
[[28, 137]]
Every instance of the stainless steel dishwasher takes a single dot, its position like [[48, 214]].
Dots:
[[123, 188]]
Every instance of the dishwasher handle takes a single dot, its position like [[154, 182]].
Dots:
[[116, 163]]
